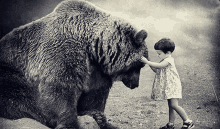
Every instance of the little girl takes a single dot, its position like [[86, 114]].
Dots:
[[167, 83]]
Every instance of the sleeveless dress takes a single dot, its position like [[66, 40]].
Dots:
[[167, 83]]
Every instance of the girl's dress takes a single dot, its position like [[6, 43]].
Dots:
[[167, 83]]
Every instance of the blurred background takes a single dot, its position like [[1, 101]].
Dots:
[[194, 26]]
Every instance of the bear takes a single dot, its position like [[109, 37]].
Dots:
[[63, 65]]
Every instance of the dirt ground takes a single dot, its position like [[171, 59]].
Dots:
[[133, 109]]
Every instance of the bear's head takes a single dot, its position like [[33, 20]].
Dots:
[[129, 75], [118, 56]]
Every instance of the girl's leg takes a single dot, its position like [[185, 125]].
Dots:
[[170, 124], [173, 103], [171, 112]]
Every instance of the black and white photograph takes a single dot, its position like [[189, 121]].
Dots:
[[109, 64]]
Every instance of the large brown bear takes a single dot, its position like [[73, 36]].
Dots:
[[64, 64]]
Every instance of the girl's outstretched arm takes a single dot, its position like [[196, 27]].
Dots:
[[162, 64], [154, 69]]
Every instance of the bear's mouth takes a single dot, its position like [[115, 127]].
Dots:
[[130, 84]]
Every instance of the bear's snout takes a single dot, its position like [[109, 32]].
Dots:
[[131, 83]]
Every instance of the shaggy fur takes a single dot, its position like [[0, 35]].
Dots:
[[64, 64]]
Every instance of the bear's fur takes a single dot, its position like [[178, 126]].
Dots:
[[64, 64]]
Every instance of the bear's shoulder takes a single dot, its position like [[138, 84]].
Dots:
[[78, 6]]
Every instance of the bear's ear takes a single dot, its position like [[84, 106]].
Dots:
[[140, 37]]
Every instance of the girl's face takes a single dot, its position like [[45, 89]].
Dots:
[[162, 55]]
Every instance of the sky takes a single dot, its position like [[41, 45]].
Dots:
[[193, 20]]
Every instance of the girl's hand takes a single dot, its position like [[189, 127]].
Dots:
[[143, 59]]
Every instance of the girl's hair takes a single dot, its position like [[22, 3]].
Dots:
[[165, 45]]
